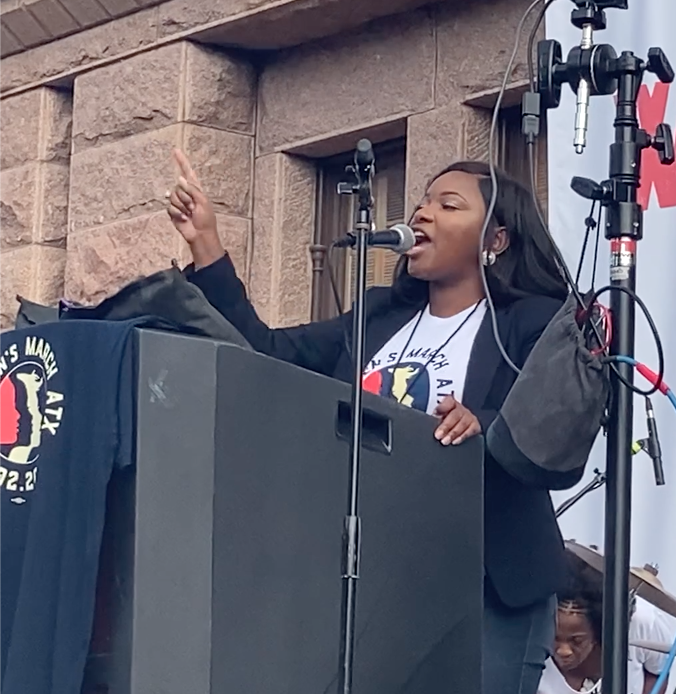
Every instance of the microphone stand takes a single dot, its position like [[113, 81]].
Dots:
[[649, 445], [598, 481], [606, 72], [363, 169]]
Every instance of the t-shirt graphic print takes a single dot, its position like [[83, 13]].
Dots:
[[423, 375]]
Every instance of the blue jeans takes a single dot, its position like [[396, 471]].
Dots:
[[516, 644]]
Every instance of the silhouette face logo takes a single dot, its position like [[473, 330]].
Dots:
[[23, 394], [9, 415], [407, 383], [31, 412]]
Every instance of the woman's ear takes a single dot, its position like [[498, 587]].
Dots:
[[500, 241]]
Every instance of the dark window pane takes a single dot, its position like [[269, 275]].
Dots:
[[336, 216]]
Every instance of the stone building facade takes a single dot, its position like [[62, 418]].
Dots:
[[261, 95]]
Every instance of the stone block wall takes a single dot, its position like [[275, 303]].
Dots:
[[284, 222], [34, 182], [127, 119], [84, 171]]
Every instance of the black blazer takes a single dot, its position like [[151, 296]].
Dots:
[[524, 558]]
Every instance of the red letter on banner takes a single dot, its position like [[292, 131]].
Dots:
[[651, 111]]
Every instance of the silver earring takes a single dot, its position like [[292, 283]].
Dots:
[[488, 258]]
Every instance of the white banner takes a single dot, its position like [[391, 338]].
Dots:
[[647, 23]]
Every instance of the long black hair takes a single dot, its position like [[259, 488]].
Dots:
[[584, 589], [527, 267]]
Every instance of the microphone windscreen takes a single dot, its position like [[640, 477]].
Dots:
[[407, 236], [364, 155]]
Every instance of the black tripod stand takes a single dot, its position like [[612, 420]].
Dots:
[[592, 70]]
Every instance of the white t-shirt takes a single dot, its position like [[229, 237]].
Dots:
[[647, 624], [419, 378]]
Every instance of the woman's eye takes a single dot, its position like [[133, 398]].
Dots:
[[449, 206]]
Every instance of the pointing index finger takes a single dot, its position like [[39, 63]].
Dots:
[[185, 167]]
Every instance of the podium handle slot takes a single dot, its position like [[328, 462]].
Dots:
[[376, 428]]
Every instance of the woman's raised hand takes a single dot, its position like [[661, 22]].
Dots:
[[192, 213]]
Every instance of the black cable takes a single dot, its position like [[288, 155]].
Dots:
[[590, 223], [596, 249], [531, 43], [580, 300], [336, 297], [563, 268], [531, 162], [332, 278], [653, 329], [557, 253], [494, 185], [531, 144], [494, 182]]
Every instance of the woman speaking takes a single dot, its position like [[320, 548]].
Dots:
[[432, 347]]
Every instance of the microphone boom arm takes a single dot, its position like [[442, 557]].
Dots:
[[598, 481]]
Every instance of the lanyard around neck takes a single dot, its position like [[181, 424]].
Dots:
[[432, 356]]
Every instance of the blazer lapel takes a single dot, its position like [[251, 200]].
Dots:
[[484, 360], [381, 325]]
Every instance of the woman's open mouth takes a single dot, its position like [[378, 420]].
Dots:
[[422, 240]]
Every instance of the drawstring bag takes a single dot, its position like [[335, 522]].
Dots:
[[551, 417]]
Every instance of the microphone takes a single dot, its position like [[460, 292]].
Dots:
[[399, 238], [364, 159], [654, 449], [583, 94]]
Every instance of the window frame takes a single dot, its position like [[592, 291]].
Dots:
[[334, 213], [335, 217]]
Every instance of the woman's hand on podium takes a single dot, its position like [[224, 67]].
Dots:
[[457, 423], [192, 213]]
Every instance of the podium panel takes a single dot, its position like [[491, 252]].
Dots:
[[230, 580]]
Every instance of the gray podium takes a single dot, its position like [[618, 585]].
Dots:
[[220, 569]]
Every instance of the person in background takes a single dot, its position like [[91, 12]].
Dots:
[[576, 665], [431, 346]]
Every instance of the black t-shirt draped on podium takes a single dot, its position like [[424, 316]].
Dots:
[[67, 420]]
